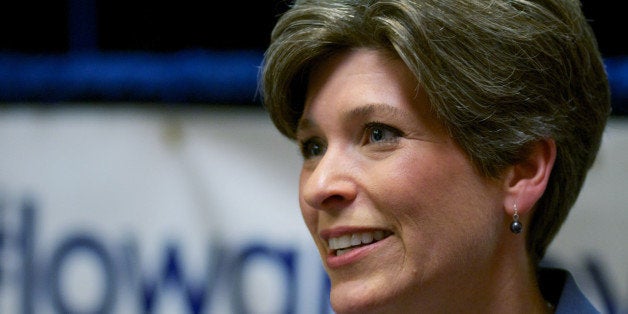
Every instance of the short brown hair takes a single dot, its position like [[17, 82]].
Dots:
[[499, 75]]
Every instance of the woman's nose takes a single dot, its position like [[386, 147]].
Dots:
[[331, 184]]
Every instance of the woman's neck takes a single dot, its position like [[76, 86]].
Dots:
[[514, 284]]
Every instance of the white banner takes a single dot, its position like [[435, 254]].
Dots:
[[142, 210]]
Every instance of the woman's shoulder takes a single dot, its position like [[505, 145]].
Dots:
[[560, 288]]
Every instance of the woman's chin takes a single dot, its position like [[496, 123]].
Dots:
[[359, 297]]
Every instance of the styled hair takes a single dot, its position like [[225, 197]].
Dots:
[[500, 75]]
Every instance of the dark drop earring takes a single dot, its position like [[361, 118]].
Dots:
[[516, 226]]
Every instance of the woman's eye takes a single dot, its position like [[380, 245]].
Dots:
[[378, 132], [312, 148]]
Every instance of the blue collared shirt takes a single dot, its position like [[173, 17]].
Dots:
[[559, 287]]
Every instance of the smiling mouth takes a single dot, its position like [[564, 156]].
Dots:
[[344, 244]]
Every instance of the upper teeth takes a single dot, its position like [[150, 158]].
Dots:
[[353, 239]]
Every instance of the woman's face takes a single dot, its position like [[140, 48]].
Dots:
[[398, 212]]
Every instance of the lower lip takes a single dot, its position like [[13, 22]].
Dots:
[[353, 256]]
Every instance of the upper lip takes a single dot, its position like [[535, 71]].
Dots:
[[334, 232]]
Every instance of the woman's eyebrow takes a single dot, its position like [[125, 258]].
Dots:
[[382, 110], [379, 109], [304, 125]]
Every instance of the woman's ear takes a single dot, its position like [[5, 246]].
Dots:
[[526, 181]]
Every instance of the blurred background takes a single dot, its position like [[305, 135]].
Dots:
[[139, 172]]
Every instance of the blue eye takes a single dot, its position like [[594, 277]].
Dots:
[[312, 148], [377, 132]]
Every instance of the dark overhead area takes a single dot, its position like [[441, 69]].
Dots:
[[174, 51]]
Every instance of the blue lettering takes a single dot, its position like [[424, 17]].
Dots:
[[74, 245], [284, 258], [27, 249], [2, 238], [325, 305], [225, 268], [172, 273]]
